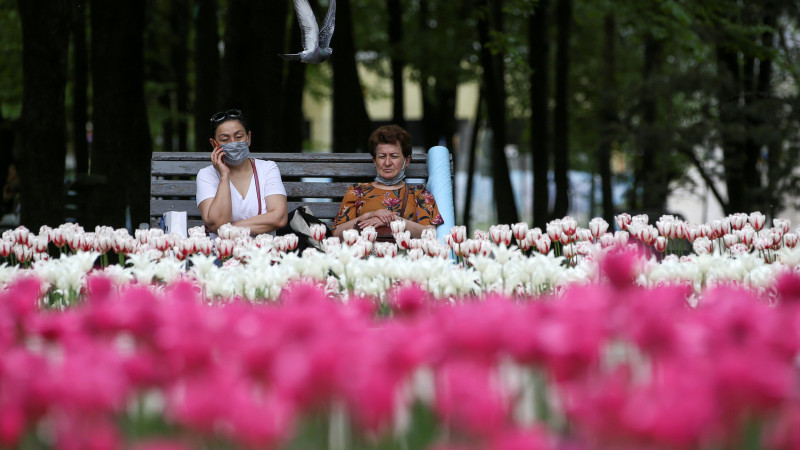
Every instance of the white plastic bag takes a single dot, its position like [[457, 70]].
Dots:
[[175, 222]]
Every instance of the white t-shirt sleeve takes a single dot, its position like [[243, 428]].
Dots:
[[207, 183], [269, 176]]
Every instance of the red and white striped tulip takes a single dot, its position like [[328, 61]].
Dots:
[[757, 220], [368, 234], [397, 226], [520, 229], [790, 240], [459, 234], [543, 245], [660, 244], [318, 231], [598, 227], [623, 220]]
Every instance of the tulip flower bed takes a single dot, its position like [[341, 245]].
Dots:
[[568, 338]]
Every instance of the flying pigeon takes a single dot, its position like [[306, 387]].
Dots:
[[316, 43]]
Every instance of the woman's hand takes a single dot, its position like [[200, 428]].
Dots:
[[377, 218], [218, 160]]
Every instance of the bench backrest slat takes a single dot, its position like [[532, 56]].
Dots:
[[318, 180]]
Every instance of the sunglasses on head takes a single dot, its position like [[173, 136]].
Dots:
[[222, 116]]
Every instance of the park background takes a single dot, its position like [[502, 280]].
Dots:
[[587, 108]]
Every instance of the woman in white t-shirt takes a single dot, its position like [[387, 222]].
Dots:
[[235, 189]]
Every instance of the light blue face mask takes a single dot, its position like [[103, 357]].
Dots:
[[398, 178], [235, 152]]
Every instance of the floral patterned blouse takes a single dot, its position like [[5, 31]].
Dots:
[[362, 198]]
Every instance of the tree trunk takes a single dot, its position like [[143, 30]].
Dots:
[[496, 108], [561, 112], [764, 94], [654, 175], [252, 73], [539, 60], [80, 89], [45, 37], [351, 123], [608, 117], [473, 144], [207, 71], [395, 11], [292, 131], [179, 14], [730, 129], [122, 148]]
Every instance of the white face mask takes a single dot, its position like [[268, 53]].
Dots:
[[398, 178], [235, 152]]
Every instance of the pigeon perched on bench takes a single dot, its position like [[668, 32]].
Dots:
[[316, 43]]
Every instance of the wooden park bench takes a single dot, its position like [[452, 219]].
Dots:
[[318, 180]]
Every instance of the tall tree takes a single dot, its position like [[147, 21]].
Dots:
[[351, 123], [80, 88], [45, 35], [206, 70], [539, 61], [609, 122], [122, 148], [444, 28], [561, 112], [496, 108], [252, 71], [395, 10], [654, 166], [179, 50], [290, 137]]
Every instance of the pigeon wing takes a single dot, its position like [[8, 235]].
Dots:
[[308, 24], [327, 27]]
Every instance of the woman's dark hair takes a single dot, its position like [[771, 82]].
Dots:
[[224, 116], [390, 134]]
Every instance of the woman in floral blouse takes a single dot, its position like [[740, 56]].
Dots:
[[381, 201]]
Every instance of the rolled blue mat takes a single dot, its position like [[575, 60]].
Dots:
[[440, 184]]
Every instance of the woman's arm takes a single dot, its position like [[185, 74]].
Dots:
[[370, 219], [217, 211], [275, 217], [415, 228]]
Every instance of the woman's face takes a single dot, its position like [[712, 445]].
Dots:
[[231, 131], [389, 160]]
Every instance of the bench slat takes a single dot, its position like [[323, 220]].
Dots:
[[323, 210], [186, 188], [305, 176], [356, 170], [278, 157]]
